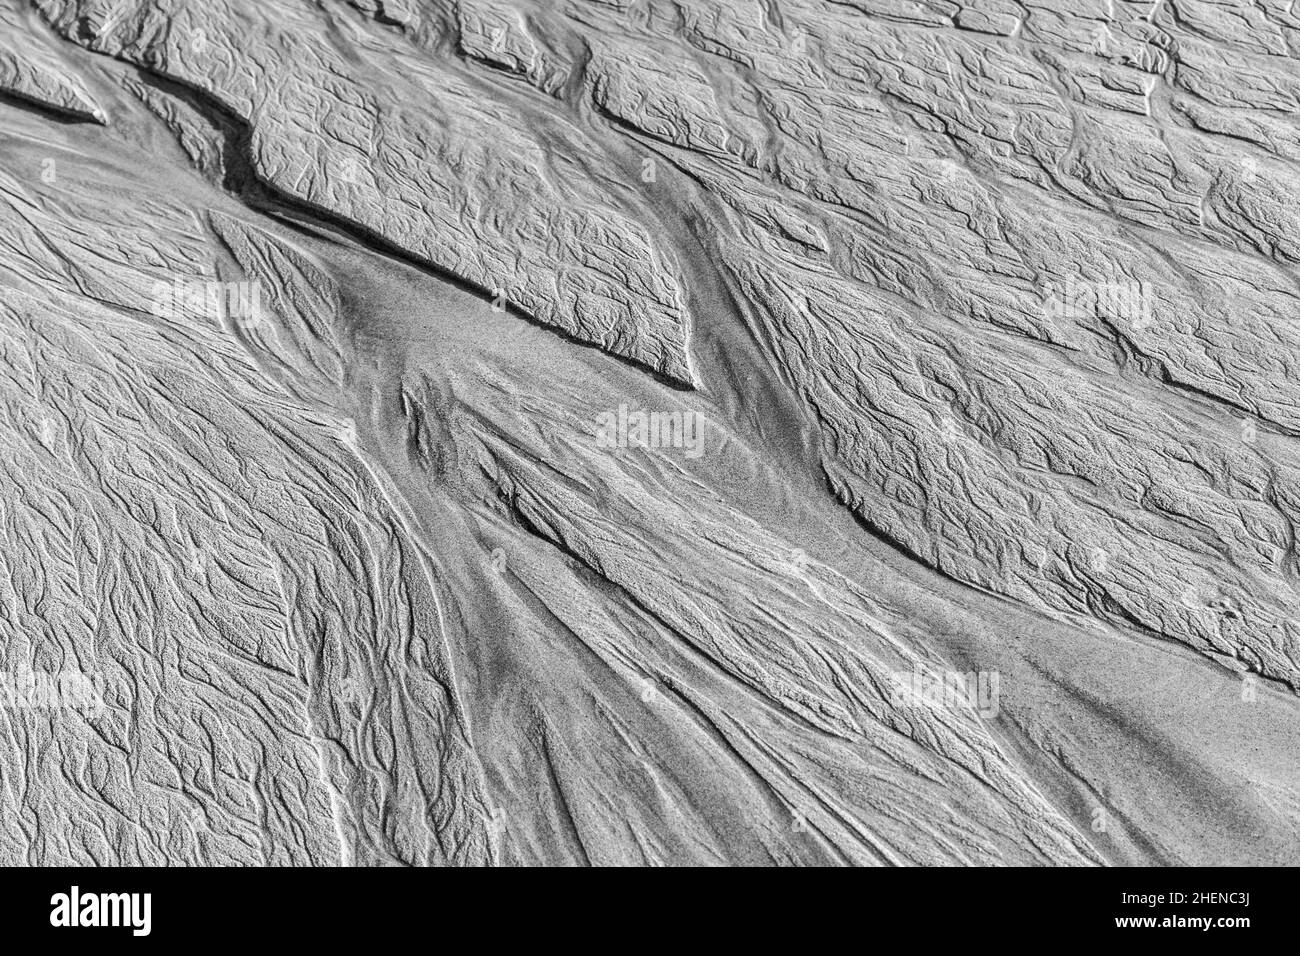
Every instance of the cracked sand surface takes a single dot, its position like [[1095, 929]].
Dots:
[[324, 328]]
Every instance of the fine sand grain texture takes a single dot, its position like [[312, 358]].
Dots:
[[627, 432]]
